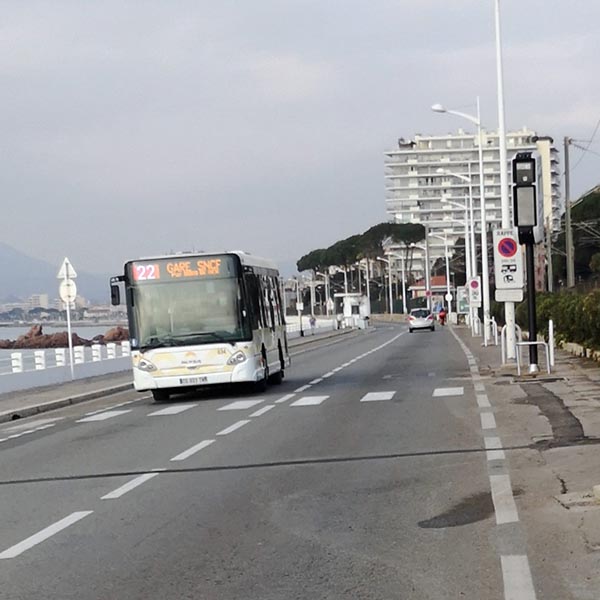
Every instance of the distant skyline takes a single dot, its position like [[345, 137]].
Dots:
[[137, 128]]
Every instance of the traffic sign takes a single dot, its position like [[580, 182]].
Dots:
[[67, 291], [300, 306], [474, 287], [507, 247], [448, 297], [508, 260], [66, 270], [462, 301]]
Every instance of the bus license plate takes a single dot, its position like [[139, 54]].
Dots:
[[192, 380]]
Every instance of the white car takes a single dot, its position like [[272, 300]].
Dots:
[[420, 318]]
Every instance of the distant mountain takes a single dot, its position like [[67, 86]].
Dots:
[[22, 275]]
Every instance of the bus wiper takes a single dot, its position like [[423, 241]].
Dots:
[[155, 342], [213, 334]]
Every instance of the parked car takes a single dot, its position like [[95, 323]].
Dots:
[[421, 318]]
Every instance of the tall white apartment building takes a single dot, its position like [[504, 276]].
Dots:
[[415, 186]]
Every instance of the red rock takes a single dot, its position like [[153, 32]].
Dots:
[[116, 334]]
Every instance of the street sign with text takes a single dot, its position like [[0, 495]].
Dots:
[[508, 260]]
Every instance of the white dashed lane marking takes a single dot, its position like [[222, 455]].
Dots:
[[172, 410], [516, 574], [377, 396], [453, 391], [233, 427], [263, 410], [284, 398], [103, 416], [488, 420], [130, 485], [44, 534], [241, 405], [191, 451], [504, 501], [493, 446], [309, 401]]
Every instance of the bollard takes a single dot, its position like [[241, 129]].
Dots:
[[16, 360], [111, 351], [61, 357], [125, 349], [78, 355], [96, 352], [40, 359], [551, 341]]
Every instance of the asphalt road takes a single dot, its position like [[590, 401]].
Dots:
[[310, 490]]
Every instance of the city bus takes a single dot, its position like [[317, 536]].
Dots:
[[203, 319]]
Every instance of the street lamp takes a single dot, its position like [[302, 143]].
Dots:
[[327, 291], [470, 259], [484, 247], [471, 215], [389, 264], [447, 256], [427, 277], [401, 257]]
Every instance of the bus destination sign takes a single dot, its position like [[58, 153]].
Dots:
[[172, 269]]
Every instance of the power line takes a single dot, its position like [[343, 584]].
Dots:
[[587, 148]]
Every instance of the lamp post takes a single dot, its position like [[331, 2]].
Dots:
[[485, 273], [401, 257], [391, 297], [471, 227], [447, 257], [427, 276], [327, 291]]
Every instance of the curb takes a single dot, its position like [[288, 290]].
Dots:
[[35, 409]]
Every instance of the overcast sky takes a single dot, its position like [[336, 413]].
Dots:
[[139, 127]]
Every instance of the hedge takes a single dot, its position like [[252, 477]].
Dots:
[[576, 316]]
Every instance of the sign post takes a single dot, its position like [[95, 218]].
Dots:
[[68, 292]]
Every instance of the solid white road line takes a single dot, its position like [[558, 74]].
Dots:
[[302, 389], [121, 491], [488, 421], [504, 501], [44, 534], [518, 584], [190, 451], [284, 398], [377, 396], [241, 404], [103, 416], [233, 427], [483, 401], [172, 410], [263, 410], [309, 401], [454, 391], [493, 446]]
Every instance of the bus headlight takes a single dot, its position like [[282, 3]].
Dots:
[[145, 365], [237, 358]]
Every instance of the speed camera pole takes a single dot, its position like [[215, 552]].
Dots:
[[528, 215]]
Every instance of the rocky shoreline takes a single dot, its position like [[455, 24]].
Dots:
[[36, 339]]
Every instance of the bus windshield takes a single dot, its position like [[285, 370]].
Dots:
[[188, 313]]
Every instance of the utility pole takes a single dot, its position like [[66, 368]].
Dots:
[[568, 228]]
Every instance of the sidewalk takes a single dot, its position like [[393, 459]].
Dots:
[[33, 401], [557, 418]]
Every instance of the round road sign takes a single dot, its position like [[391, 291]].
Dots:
[[67, 291], [507, 247], [448, 297], [474, 284]]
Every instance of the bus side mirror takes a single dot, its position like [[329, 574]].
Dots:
[[115, 295]]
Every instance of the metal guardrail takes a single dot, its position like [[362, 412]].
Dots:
[[23, 361]]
